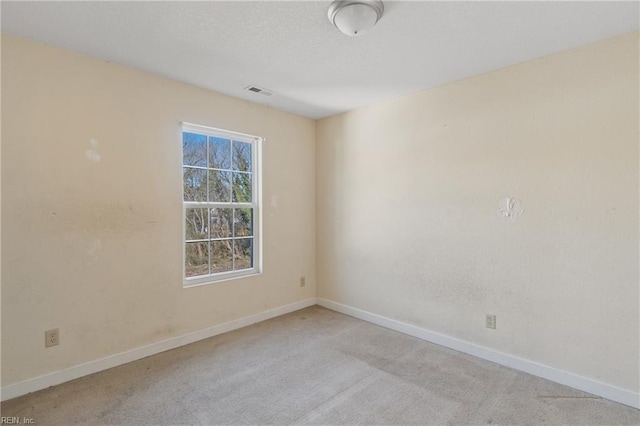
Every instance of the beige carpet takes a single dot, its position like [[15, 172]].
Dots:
[[314, 366]]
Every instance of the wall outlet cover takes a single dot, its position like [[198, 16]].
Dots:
[[490, 321], [51, 337]]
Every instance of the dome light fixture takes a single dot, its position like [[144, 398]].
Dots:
[[355, 17]]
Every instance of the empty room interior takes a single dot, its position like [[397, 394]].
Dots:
[[317, 212]]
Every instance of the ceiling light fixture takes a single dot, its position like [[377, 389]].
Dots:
[[354, 17]]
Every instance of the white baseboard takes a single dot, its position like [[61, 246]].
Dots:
[[77, 371], [584, 384]]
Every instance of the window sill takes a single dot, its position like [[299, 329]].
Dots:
[[198, 282]]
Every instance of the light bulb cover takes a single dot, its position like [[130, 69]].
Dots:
[[355, 17]]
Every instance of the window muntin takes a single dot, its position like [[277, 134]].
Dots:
[[221, 204]]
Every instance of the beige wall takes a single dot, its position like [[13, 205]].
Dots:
[[408, 195], [94, 248]]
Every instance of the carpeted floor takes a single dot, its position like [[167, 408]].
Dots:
[[314, 366]]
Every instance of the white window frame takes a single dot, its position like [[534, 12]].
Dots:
[[256, 204]]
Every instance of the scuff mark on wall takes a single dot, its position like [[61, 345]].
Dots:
[[99, 219], [92, 153], [510, 208], [94, 249]]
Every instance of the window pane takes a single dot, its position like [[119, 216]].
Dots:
[[219, 186], [243, 253], [219, 153], [241, 156], [243, 222], [195, 226], [242, 187], [220, 223], [221, 256], [196, 259], [194, 149], [195, 184]]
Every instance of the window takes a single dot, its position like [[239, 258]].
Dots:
[[221, 204]]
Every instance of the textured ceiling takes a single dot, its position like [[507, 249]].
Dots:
[[290, 48]]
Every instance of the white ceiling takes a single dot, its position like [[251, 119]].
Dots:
[[292, 49]]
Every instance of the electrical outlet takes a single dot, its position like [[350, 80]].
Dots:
[[51, 337], [490, 321], [303, 281]]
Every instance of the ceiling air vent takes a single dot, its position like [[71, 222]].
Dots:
[[256, 89]]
